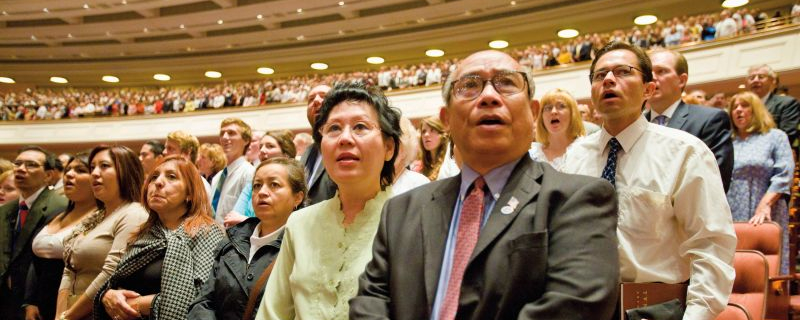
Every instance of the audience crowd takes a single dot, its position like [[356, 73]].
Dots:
[[53, 103], [380, 219]]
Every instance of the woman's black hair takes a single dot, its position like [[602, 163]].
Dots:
[[388, 117]]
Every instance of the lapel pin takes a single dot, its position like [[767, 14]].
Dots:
[[506, 210]]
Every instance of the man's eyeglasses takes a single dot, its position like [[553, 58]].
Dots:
[[28, 164], [621, 71], [359, 129], [470, 87]]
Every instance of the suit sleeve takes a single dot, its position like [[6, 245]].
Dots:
[[789, 118], [717, 137], [372, 300], [582, 263]]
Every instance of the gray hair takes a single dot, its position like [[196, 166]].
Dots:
[[770, 72], [447, 88]]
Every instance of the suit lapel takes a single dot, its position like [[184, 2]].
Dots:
[[679, 116], [521, 185], [435, 218], [647, 115], [37, 212]]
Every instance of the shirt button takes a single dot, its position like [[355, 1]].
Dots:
[[341, 245], [250, 276]]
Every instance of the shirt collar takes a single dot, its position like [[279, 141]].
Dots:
[[495, 179], [30, 200], [628, 137], [262, 241], [667, 113], [766, 97], [236, 163]]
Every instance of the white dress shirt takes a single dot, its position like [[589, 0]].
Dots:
[[674, 220], [240, 175]]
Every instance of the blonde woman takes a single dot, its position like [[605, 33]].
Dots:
[[558, 125], [762, 167]]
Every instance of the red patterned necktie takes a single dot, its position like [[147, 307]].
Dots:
[[469, 227], [23, 214]]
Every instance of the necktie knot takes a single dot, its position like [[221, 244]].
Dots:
[[23, 206], [661, 120], [610, 171], [615, 145], [478, 184]]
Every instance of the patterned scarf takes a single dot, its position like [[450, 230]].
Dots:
[[187, 265]]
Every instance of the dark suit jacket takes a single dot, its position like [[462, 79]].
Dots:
[[554, 257], [585, 53], [14, 265], [321, 187], [711, 125], [785, 111]]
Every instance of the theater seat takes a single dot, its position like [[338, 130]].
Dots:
[[750, 285], [766, 238], [734, 312]]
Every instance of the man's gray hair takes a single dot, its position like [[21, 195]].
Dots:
[[770, 72], [448, 84]]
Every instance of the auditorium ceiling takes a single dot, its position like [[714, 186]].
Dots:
[[82, 40]]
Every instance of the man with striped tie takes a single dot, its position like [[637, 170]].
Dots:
[[234, 137]]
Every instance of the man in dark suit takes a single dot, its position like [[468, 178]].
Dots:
[[583, 49], [785, 110], [713, 126], [20, 220], [320, 186], [508, 238]]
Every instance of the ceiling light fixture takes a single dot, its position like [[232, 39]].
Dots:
[[299, 10], [45, 10], [513, 3], [69, 35], [7, 80], [375, 60], [434, 53], [33, 37], [319, 66], [341, 3], [111, 79], [58, 80], [260, 17], [644, 20], [220, 21], [146, 30], [86, 6], [161, 77], [265, 70], [568, 33], [124, 1], [182, 26], [498, 44], [213, 74], [734, 3]]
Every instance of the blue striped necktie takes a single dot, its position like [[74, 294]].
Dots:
[[218, 189]]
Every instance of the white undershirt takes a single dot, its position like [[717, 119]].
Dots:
[[257, 242]]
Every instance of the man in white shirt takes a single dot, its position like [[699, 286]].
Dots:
[[234, 137], [674, 220], [726, 27]]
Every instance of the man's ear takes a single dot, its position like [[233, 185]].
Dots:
[[684, 78], [535, 105], [443, 116], [649, 89]]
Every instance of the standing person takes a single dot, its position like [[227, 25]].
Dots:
[[234, 137], [252, 246], [171, 254], [20, 220], [405, 179], [517, 245], [434, 141], [558, 125], [320, 185], [93, 249], [185, 145], [8, 191], [674, 221], [150, 153], [713, 126], [325, 246], [273, 144], [210, 160], [762, 168], [785, 110], [45, 274]]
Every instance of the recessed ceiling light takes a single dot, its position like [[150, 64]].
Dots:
[[301, 37], [33, 37], [146, 30], [45, 10], [124, 1], [299, 10], [734, 3], [58, 80], [568, 33], [498, 44], [375, 60], [341, 3], [108, 33], [182, 26], [7, 80], [213, 74], [69, 35], [341, 32], [434, 53], [161, 77], [86, 6], [220, 21], [260, 17], [111, 79], [513, 3], [319, 66], [265, 70], [644, 20], [5, 13]]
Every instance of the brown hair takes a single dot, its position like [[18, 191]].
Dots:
[[130, 173], [186, 142], [285, 139], [294, 172], [432, 160], [198, 207]]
